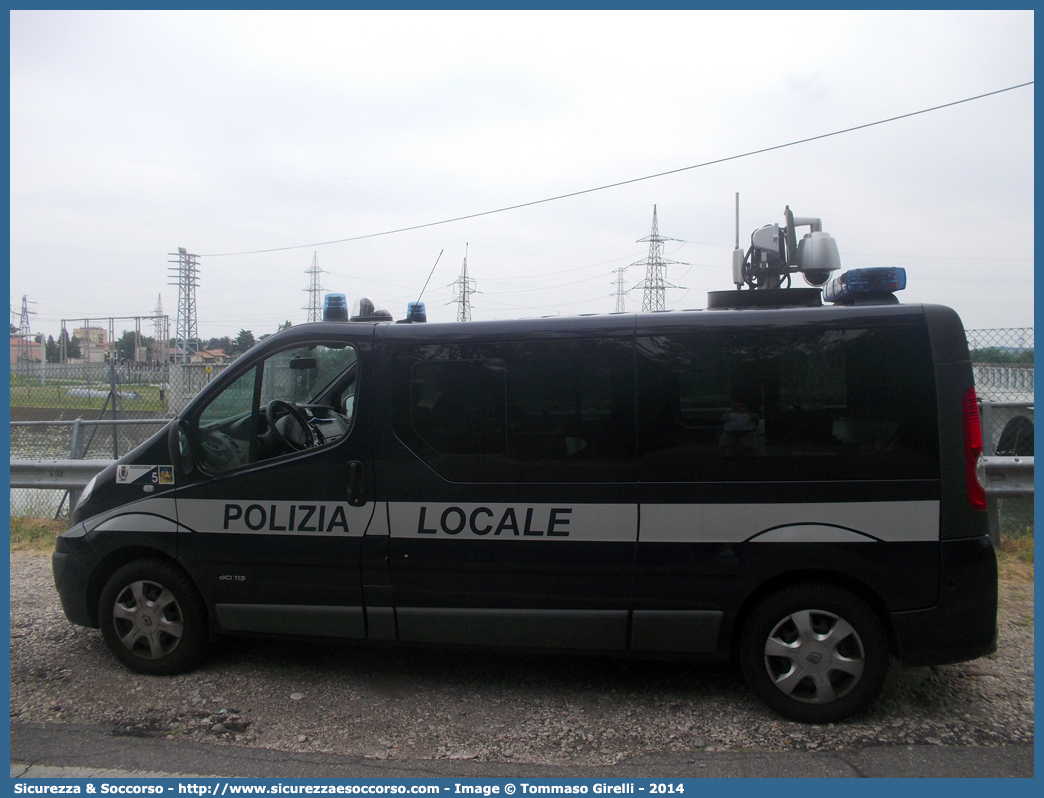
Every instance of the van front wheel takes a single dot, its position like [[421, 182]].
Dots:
[[814, 653], [152, 618]]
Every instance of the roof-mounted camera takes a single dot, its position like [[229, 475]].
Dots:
[[776, 253], [774, 256]]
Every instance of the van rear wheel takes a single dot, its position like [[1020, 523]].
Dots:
[[152, 618], [814, 653]]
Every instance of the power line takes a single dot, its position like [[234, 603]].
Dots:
[[947, 258], [628, 182], [542, 288]]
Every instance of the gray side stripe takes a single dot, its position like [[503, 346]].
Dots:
[[138, 522], [837, 522], [161, 506], [733, 523]]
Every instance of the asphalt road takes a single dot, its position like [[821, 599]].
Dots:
[[53, 750]]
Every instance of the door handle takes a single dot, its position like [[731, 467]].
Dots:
[[356, 484]]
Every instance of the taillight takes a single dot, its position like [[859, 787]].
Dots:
[[972, 449]]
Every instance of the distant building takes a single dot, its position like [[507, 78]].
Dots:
[[94, 343], [210, 356], [93, 354], [97, 336], [22, 350]]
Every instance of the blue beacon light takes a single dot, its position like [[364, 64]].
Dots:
[[335, 307], [878, 283]]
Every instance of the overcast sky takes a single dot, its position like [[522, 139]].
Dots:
[[135, 133]]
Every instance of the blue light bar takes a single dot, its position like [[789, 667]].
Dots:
[[415, 311], [857, 284], [335, 307]]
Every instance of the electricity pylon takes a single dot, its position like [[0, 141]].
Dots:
[[25, 335], [185, 336], [620, 291], [160, 331], [314, 289], [655, 285], [464, 287]]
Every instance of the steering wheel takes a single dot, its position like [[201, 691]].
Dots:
[[220, 452], [276, 409]]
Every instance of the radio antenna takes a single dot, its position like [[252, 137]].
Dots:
[[430, 274], [737, 254]]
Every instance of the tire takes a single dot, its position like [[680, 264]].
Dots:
[[153, 619], [814, 653]]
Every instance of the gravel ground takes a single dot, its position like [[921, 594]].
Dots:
[[423, 704]]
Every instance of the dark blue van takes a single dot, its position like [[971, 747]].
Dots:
[[792, 487]]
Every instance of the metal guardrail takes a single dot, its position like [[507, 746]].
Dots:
[[1005, 477], [67, 475], [82, 434], [55, 474]]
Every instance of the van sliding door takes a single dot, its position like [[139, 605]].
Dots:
[[510, 476]]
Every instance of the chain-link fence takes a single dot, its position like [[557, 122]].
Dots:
[[91, 411], [1002, 360]]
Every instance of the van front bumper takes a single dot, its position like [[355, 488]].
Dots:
[[71, 564]]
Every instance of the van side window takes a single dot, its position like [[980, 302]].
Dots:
[[457, 406], [787, 406], [519, 411]]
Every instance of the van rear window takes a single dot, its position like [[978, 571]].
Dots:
[[787, 406]]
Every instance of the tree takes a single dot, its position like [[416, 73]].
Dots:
[[125, 345], [52, 351], [994, 354], [244, 341], [72, 346], [224, 343]]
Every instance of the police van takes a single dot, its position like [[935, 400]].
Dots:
[[781, 481]]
